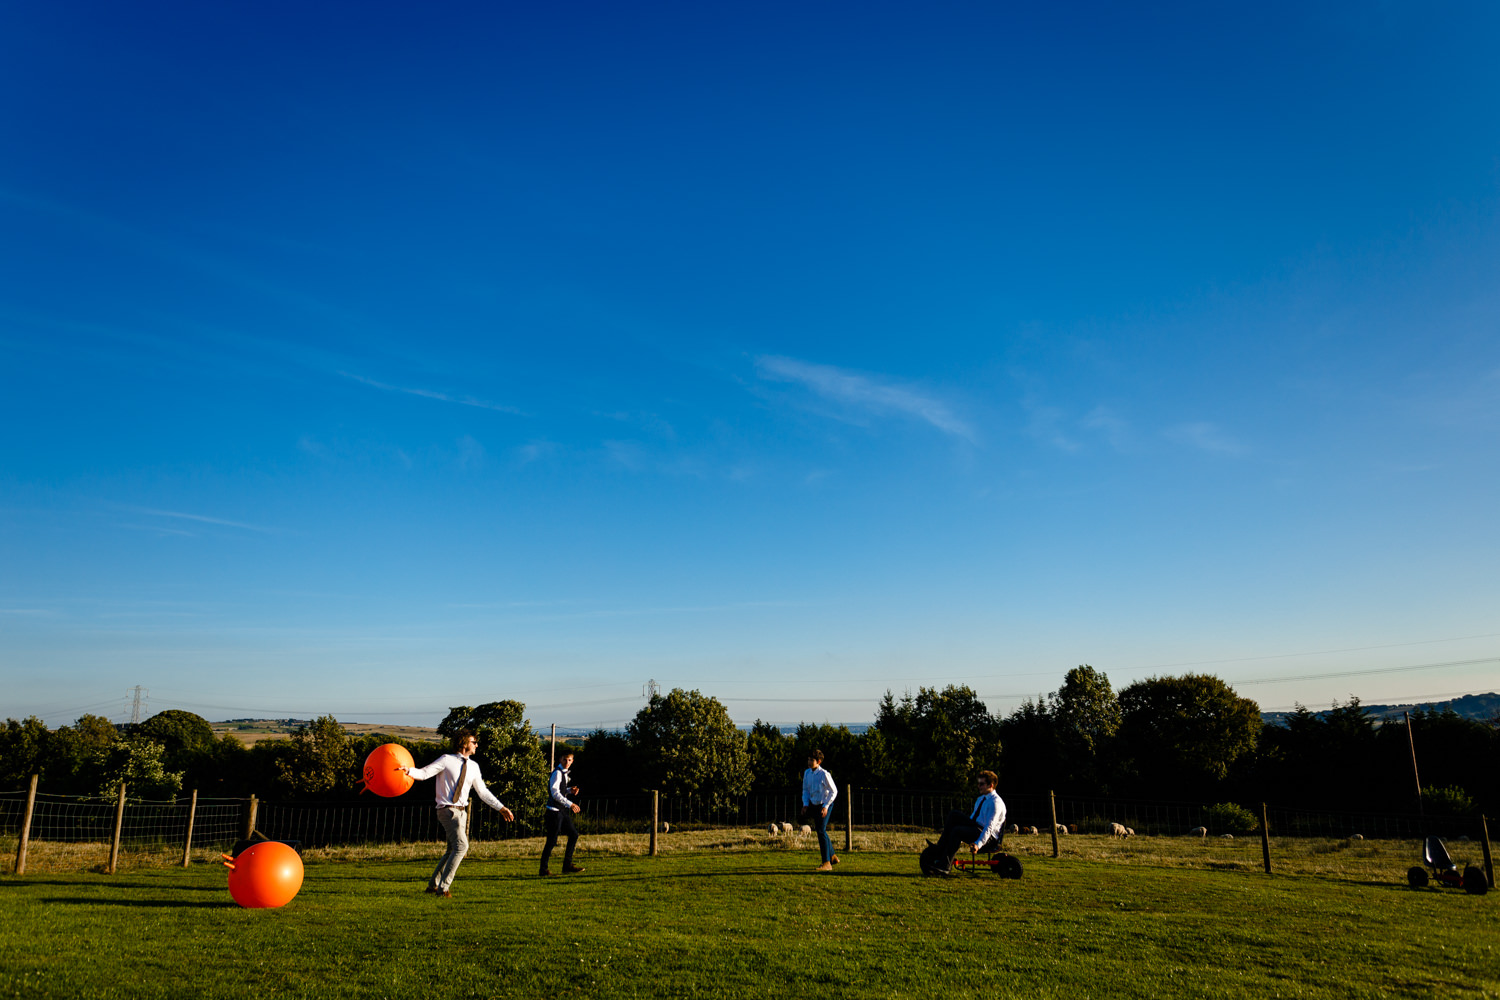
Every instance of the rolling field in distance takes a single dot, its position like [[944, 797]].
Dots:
[[739, 916]]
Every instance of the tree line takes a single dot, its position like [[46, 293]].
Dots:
[[1186, 738]]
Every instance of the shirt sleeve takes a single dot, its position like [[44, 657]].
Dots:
[[805, 802], [479, 788], [830, 790], [423, 773], [555, 790]]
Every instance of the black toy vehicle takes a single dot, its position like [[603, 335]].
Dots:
[[1445, 872], [996, 860]]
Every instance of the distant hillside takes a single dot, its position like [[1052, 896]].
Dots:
[[1471, 706]]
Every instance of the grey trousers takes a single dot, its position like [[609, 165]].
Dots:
[[455, 823]]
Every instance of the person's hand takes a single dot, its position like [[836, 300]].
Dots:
[[822, 810], [573, 790], [973, 848], [509, 816], [576, 808]]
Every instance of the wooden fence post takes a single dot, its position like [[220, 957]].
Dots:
[[1052, 805], [1265, 838], [250, 811], [187, 841], [849, 818], [25, 841], [655, 817], [1484, 840], [114, 843]]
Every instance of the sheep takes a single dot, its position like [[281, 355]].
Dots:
[[1226, 836], [1117, 830], [1061, 828], [775, 829], [1129, 831], [1357, 836], [805, 829], [1072, 827], [1014, 828], [1198, 831], [786, 828], [666, 827], [1028, 830]]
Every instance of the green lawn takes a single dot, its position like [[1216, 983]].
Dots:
[[748, 924]]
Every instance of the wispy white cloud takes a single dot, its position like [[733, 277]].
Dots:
[[864, 392], [442, 397], [1046, 424], [1205, 437], [1110, 425], [201, 519]]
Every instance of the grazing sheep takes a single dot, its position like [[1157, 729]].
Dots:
[[1117, 830], [1072, 827], [1198, 831], [1226, 836], [1129, 831], [805, 829], [1357, 836], [1061, 828], [786, 828], [1014, 828], [775, 829]]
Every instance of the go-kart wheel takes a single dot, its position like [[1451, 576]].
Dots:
[[1006, 866], [1416, 876], [1474, 881]]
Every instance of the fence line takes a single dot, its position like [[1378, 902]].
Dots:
[[219, 822]]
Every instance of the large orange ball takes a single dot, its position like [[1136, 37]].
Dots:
[[267, 874], [381, 774]]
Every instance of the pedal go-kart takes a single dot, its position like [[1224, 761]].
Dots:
[[1445, 872], [995, 860]]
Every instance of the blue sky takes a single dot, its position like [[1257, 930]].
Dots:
[[372, 360]]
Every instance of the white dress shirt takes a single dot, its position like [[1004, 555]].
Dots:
[[818, 787], [989, 813], [447, 768]]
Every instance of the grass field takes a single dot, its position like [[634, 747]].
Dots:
[[741, 916]]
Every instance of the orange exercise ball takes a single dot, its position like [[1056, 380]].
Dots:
[[381, 774], [264, 875]]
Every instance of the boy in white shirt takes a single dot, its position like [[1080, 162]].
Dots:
[[818, 793]]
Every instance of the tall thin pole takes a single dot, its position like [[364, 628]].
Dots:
[[1052, 804], [187, 841], [114, 843], [655, 817], [1265, 838], [554, 745], [26, 828], [1489, 864], [1412, 742], [848, 817]]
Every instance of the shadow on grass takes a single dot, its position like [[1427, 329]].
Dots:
[[148, 903], [84, 883]]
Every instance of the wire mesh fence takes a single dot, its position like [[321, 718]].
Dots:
[[159, 828]]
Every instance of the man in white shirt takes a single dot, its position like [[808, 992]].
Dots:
[[982, 823], [818, 793], [457, 775], [558, 820]]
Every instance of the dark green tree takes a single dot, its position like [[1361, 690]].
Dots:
[[686, 744], [317, 761], [842, 756], [1032, 761], [1181, 735], [938, 739], [24, 747], [1086, 717], [606, 765], [140, 764], [512, 759], [77, 754], [770, 758]]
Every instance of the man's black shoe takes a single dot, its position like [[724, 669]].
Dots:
[[572, 869]]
